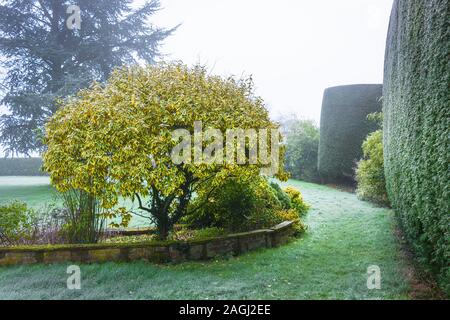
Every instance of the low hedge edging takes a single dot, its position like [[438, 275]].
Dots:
[[21, 167], [157, 252]]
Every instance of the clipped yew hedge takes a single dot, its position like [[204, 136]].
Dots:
[[417, 126], [343, 128], [21, 167]]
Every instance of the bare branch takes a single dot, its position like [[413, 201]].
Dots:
[[141, 206]]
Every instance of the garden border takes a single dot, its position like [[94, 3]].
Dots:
[[157, 252]]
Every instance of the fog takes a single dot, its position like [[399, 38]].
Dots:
[[293, 48]]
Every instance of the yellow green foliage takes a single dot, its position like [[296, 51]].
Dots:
[[292, 215], [297, 203], [370, 171], [116, 140], [16, 222], [239, 205], [236, 205]]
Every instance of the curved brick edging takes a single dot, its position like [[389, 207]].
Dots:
[[171, 251]]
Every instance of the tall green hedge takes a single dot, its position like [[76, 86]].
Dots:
[[417, 126], [343, 128], [21, 167]]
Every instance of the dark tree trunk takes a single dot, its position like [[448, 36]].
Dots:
[[167, 211], [163, 231]]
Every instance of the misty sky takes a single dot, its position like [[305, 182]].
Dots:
[[293, 48]]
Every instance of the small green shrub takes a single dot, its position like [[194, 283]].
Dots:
[[292, 215], [247, 205], [282, 196], [16, 223], [371, 182], [236, 206], [370, 171], [302, 147], [290, 198], [297, 202], [84, 217]]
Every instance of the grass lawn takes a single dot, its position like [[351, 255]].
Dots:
[[37, 193], [345, 237]]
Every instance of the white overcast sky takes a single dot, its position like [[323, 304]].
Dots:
[[293, 48]]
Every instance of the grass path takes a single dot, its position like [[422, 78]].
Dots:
[[345, 237]]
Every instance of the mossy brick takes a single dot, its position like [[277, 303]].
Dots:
[[103, 255], [197, 251], [139, 253], [178, 252], [221, 247], [157, 252], [17, 258], [254, 242], [57, 256]]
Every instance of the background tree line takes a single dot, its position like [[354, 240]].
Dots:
[[45, 61]]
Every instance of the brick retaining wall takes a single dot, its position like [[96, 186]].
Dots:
[[170, 251]]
